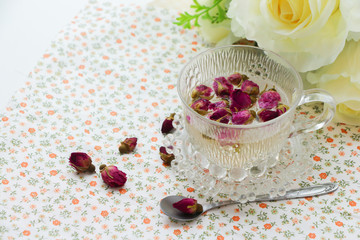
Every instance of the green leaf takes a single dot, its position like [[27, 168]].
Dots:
[[187, 20]]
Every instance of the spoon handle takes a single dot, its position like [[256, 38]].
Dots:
[[291, 194], [301, 192]]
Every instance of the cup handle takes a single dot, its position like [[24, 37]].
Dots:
[[316, 95]]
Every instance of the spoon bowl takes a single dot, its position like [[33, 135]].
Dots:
[[166, 205]]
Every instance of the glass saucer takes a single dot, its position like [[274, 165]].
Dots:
[[286, 172]]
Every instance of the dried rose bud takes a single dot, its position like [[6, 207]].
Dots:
[[253, 99], [112, 176], [266, 115], [222, 87], [235, 79], [269, 99], [165, 156], [239, 101], [81, 162], [221, 115], [219, 104], [188, 206], [250, 87], [167, 125], [128, 145], [282, 108], [243, 117], [202, 91], [201, 106], [244, 41]]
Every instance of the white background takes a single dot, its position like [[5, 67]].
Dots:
[[26, 30]]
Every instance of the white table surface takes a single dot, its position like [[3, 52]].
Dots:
[[26, 30]]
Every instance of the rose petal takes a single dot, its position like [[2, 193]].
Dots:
[[220, 115], [217, 105], [239, 101], [267, 115]]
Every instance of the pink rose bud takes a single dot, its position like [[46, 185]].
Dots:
[[188, 206], [201, 106], [202, 91], [167, 125], [112, 176], [165, 156], [282, 108], [269, 99], [239, 101], [219, 104], [266, 115], [81, 162], [222, 87], [250, 87], [243, 117], [237, 78], [128, 145], [221, 115]]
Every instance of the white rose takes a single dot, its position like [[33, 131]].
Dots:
[[308, 33], [213, 33], [216, 32], [342, 80]]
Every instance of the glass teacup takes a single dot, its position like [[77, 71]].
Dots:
[[256, 145]]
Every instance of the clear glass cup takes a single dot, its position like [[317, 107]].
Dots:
[[256, 146]]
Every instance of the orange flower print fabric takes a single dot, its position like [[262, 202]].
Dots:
[[110, 74]]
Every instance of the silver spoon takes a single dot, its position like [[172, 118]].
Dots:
[[166, 204]]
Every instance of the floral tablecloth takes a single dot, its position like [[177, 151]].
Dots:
[[110, 74]]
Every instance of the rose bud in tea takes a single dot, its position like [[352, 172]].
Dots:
[[282, 108], [250, 87], [201, 106], [269, 99], [243, 117], [202, 91], [221, 115], [220, 104], [266, 115], [222, 87]]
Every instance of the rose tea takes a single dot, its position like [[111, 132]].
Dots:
[[262, 103], [237, 126]]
